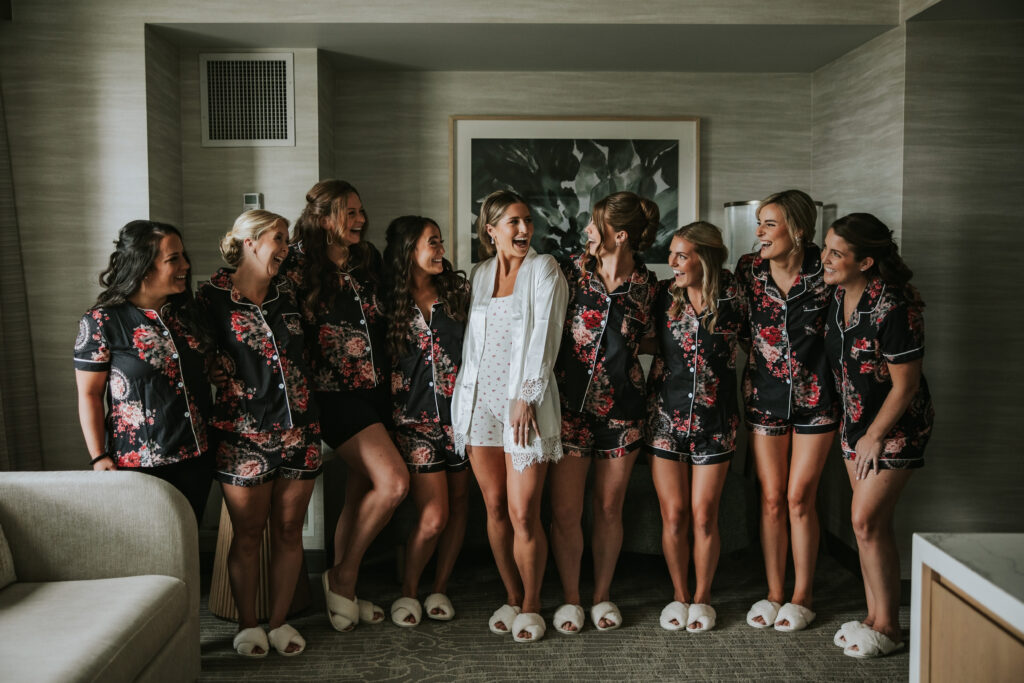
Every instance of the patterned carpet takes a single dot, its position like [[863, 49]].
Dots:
[[463, 649]]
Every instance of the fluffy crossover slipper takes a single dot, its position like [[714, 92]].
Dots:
[[283, 636], [674, 611], [845, 631], [870, 644], [701, 614], [532, 623], [248, 639], [798, 617], [608, 611], [343, 613], [403, 608], [766, 609], [370, 613], [504, 616], [572, 614], [442, 605]]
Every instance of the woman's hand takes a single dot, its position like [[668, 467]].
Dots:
[[104, 464], [522, 420], [868, 449], [218, 377]]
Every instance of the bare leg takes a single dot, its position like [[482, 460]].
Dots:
[[529, 544], [611, 477], [454, 533], [869, 620], [672, 482], [430, 492], [708, 481], [566, 481], [809, 454], [287, 512], [372, 453], [874, 502], [248, 508], [771, 456], [357, 485], [488, 464]]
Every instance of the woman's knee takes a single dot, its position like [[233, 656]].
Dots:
[[867, 523], [394, 485], [774, 504], [675, 519], [705, 519], [801, 501], [433, 520]]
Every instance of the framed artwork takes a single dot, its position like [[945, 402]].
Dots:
[[563, 166]]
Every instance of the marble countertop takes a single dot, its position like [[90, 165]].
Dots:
[[987, 567]]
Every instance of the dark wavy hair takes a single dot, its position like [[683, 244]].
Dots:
[[328, 199], [869, 236], [397, 301], [135, 251]]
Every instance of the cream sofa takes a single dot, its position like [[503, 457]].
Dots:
[[99, 578]]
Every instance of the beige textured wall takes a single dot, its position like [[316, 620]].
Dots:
[[392, 141], [963, 184], [216, 177], [163, 124]]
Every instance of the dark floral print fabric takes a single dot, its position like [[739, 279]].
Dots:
[[157, 392], [692, 401], [252, 459], [787, 374], [262, 350], [598, 368], [346, 339], [886, 328], [423, 380]]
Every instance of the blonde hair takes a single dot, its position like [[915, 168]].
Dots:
[[249, 225], [798, 209], [491, 211], [712, 252]]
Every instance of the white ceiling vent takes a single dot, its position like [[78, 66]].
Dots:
[[247, 100]]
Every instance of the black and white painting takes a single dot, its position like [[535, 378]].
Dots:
[[563, 167]]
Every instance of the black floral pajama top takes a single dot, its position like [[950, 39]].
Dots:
[[786, 380], [692, 399], [886, 328], [158, 395], [263, 352]]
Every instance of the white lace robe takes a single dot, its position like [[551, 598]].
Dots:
[[539, 300]]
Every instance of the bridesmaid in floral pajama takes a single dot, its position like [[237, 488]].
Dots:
[[875, 345], [693, 412], [337, 273], [268, 450], [143, 348], [601, 385], [427, 305], [791, 410]]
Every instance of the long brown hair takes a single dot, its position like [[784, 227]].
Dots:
[[328, 199], [798, 209], [869, 236], [491, 211], [712, 252], [452, 286]]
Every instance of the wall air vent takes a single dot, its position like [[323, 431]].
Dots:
[[247, 100]]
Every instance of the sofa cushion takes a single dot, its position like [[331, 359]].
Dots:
[[96, 630], [7, 575]]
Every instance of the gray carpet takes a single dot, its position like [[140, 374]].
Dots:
[[463, 649]]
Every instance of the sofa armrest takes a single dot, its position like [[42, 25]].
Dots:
[[94, 525]]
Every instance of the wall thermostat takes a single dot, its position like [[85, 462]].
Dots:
[[252, 200]]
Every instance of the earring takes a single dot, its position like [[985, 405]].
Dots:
[[329, 240]]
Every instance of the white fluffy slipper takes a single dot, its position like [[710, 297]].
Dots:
[[572, 614], [532, 623], [766, 609], [798, 616], [845, 631], [343, 613], [403, 608], [370, 613], [504, 616], [703, 615], [283, 636], [608, 611], [674, 611], [248, 639], [441, 603], [870, 644]]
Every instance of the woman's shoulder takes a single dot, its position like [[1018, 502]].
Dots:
[[727, 285], [543, 265]]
